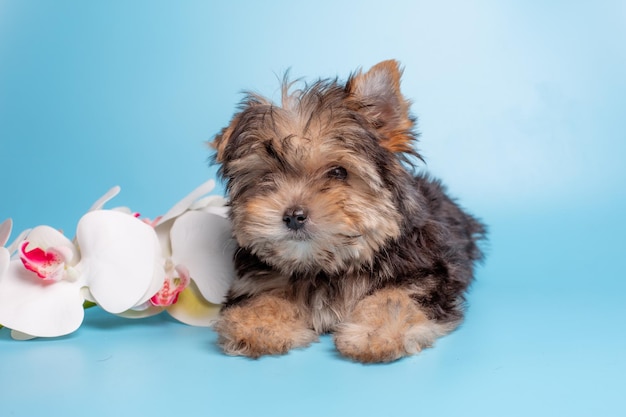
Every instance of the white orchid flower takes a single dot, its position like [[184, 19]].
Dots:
[[5, 231], [197, 246], [181, 263], [116, 262]]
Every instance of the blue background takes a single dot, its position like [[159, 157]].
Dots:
[[522, 111]]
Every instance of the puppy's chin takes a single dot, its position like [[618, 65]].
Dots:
[[309, 251]]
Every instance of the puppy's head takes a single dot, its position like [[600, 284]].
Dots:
[[315, 183]]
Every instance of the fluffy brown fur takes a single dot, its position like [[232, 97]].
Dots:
[[335, 232]]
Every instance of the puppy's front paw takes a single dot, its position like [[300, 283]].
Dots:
[[386, 326], [265, 325]]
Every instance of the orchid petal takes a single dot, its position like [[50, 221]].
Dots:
[[5, 257], [163, 235], [149, 311], [5, 231], [157, 282], [13, 246], [220, 211], [203, 243], [17, 335], [193, 309], [155, 285], [124, 209], [105, 198], [184, 204], [38, 308], [121, 259], [208, 201], [162, 231]]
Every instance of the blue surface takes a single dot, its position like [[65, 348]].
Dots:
[[522, 113]]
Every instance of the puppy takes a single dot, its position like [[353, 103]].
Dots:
[[336, 232]]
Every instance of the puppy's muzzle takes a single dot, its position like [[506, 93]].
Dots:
[[295, 218]]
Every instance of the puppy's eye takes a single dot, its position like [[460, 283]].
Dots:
[[338, 173]]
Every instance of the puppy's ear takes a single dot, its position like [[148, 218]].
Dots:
[[222, 139], [376, 94]]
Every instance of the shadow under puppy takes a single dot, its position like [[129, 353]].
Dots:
[[335, 231]]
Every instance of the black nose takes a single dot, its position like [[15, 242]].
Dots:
[[295, 218]]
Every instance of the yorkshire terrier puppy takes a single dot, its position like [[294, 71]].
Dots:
[[336, 232]]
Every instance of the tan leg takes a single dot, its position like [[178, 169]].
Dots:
[[386, 326], [265, 325]]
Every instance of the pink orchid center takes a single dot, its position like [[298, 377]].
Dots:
[[49, 264], [176, 280]]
